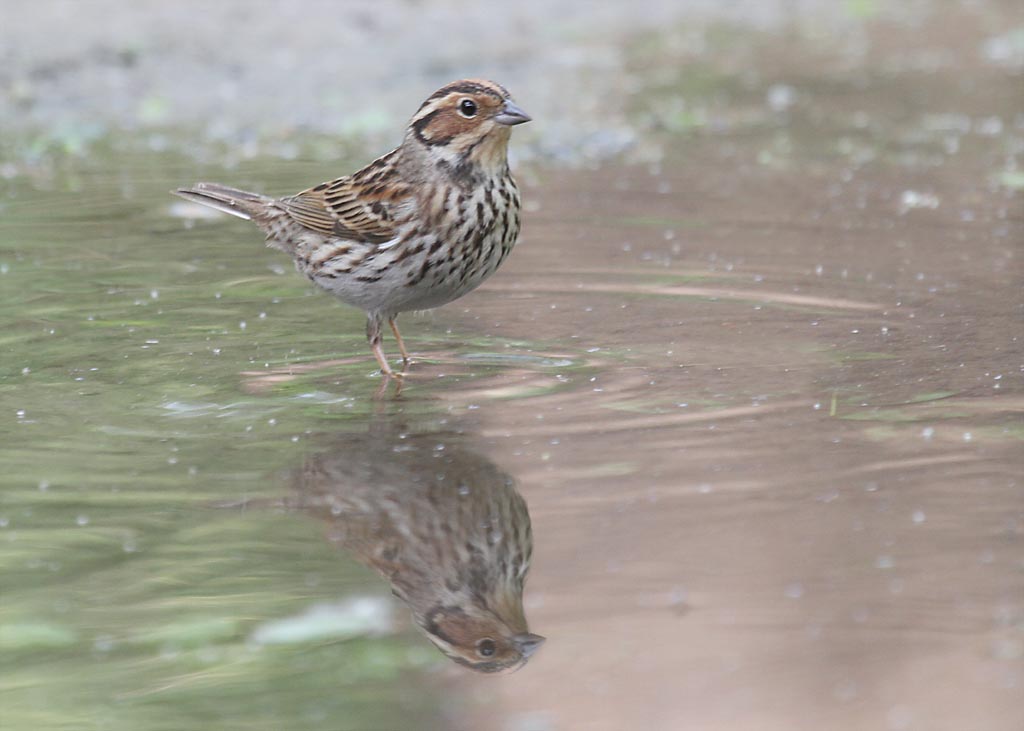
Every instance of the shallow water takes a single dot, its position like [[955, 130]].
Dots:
[[761, 392]]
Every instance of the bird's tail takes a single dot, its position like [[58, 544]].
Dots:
[[239, 203]]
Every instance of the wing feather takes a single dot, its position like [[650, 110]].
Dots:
[[359, 207]]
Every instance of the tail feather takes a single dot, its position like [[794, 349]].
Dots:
[[237, 202]]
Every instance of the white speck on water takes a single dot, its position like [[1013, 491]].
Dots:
[[272, 422], [989, 126], [82, 520], [295, 438], [217, 295], [172, 460], [819, 270], [968, 436], [918, 516], [25, 371], [154, 294], [912, 199], [884, 562], [817, 406], [20, 413], [927, 433], [898, 718], [855, 331], [704, 488], [263, 315], [152, 342], [4, 521], [780, 97], [216, 351], [794, 590], [241, 325], [103, 643], [44, 485]]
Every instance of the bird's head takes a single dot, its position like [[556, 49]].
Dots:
[[479, 639], [466, 124]]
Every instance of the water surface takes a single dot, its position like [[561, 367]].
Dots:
[[760, 388]]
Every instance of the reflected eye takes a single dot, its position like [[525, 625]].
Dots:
[[486, 648], [467, 108]]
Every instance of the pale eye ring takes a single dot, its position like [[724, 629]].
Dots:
[[467, 108], [486, 647]]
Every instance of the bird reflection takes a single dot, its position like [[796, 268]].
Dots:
[[443, 525]]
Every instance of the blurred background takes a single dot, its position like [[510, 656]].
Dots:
[[756, 367]]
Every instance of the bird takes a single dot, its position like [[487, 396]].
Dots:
[[416, 228], [443, 525]]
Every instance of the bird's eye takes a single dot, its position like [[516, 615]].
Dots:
[[467, 108], [486, 647]]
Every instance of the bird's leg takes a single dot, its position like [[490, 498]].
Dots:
[[398, 339], [373, 335]]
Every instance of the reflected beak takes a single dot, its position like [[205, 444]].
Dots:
[[510, 115], [528, 643]]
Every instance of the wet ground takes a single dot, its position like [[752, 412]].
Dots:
[[758, 378]]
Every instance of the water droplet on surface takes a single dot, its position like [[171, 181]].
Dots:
[[794, 590], [103, 643], [898, 718]]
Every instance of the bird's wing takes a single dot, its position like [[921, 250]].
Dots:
[[360, 207]]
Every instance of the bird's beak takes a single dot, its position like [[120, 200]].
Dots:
[[528, 643], [509, 115]]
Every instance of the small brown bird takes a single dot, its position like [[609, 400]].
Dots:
[[443, 525], [417, 228]]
